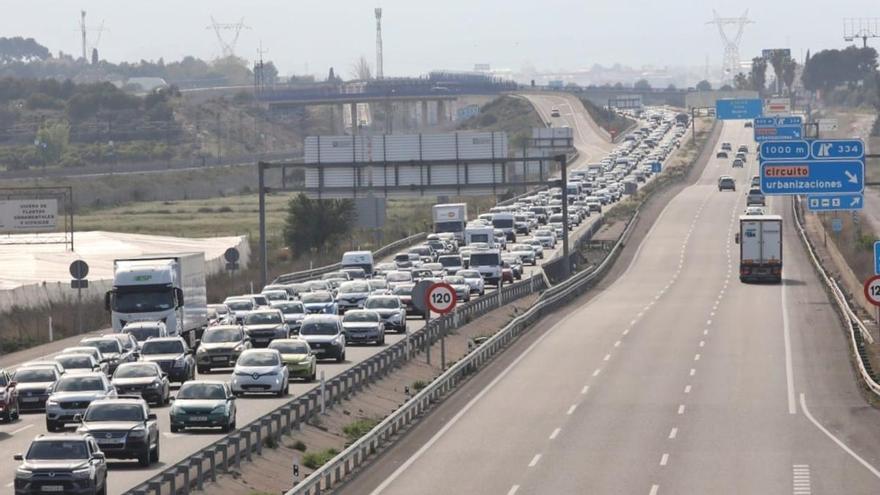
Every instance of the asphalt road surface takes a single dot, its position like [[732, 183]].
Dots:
[[677, 379]]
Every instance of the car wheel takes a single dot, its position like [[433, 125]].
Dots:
[[103, 490], [51, 427], [155, 456], [203, 369], [311, 377], [281, 391], [145, 456], [175, 429], [341, 357]]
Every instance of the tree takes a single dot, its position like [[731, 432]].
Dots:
[[19, 49], [726, 87], [742, 82], [642, 84], [759, 74], [671, 87], [778, 59], [829, 69], [317, 224], [52, 139], [618, 85], [704, 85], [788, 73], [95, 56], [361, 69]]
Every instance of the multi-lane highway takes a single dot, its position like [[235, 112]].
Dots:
[[676, 379], [16, 437]]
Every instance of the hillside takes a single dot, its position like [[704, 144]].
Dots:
[[509, 114]]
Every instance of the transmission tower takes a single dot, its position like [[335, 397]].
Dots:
[[84, 29], [227, 48], [378, 12], [731, 43], [862, 27]]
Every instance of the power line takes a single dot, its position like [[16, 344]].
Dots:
[[227, 48], [861, 27], [731, 43]]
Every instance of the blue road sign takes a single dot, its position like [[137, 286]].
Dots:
[[656, 167], [837, 225], [812, 177], [778, 128], [785, 150], [738, 109], [876, 257], [836, 202], [836, 149]]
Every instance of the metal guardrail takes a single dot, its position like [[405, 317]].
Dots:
[[857, 338], [228, 452], [335, 470], [377, 255]]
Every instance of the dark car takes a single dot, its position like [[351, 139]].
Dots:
[[172, 355], [390, 309], [8, 397], [203, 404], [726, 182], [33, 386], [124, 428], [220, 347], [145, 379], [68, 464], [262, 326], [112, 350], [721, 154], [404, 292]]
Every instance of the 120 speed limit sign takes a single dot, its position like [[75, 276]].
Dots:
[[872, 290], [440, 298]]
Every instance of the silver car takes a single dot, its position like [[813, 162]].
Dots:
[[72, 395], [352, 294], [260, 371], [363, 325]]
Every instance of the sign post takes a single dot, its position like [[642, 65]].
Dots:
[[440, 298], [79, 270], [876, 257]]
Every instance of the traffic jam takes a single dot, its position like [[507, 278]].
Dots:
[[173, 354]]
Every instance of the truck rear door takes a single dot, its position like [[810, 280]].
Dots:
[[750, 244], [771, 241]]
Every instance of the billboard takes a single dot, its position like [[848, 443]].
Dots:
[[738, 109], [777, 107], [768, 53], [626, 102], [28, 215]]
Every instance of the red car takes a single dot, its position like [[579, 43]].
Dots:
[[8, 398], [507, 274]]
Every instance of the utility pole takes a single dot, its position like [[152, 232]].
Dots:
[[379, 61], [862, 27], [563, 162]]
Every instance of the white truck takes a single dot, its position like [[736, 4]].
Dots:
[[480, 233], [507, 223], [450, 217], [760, 248], [160, 287]]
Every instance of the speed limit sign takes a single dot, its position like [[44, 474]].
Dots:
[[440, 298], [872, 290]]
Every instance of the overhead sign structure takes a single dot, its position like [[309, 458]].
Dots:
[[656, 167], [876, 257], [777, 107], [812, 177], [778, 128], [738, 109], [836, 202], [440, 298], [872, 290], [831, 149], [785, 150]]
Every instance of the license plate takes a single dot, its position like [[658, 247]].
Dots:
[[198, 418], [261, 340], [318, 351], [219, 358], [30, 399], [52, 488]]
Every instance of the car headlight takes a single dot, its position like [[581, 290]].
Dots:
[[137, 432], [335, 341], [51, 403], [24, 473], [174, 411], [201, 350], [238, 348], [221, 409], [156, 384], [180, 362], [85, 472]]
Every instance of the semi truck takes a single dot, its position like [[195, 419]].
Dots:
[[760, 248], [450, 217], [160, 287]]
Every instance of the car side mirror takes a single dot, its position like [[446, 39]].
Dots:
[[736, 238], [189, 352], [99, 456], [18, 457], [13, 384], [77, 418], [136, 354], [152, 417], [171, 399], [231, 398]]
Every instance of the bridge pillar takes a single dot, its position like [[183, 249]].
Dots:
[[354, 119], [441, 111], [339, 119], [424, 113]]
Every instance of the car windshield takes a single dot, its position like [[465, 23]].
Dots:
[[289, 347], [136, 371], [450, 261], [276, 295], [485, 259], [262, 318], [115, 412], [361, 317], [378, 284], [354, 287], [470, 274], [197, 390], [142, 301], [403, 290], [291, 308], [319, 328], [163, 347], [105, 346], [455, 280], [240, 305], [75, 362], [317, 298], [79, 384], [35, 375], [215, 335], [143, 333], [399, 277], [258, 359], [382, 303], [316, 285], [51, 450]]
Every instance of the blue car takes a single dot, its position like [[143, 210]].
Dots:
[[319, 302]]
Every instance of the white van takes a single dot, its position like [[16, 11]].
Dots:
[[488, 263], [358, 259]]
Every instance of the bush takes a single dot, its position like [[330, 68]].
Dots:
[[299, 445], [358, 428], [225, 209], [314, 460], [205, 209], [419, 384]]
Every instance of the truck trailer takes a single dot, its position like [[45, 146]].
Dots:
[[760, 248], [450, 217]]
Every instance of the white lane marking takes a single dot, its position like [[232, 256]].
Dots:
[[786, 334], [800, 475], [585, 389], [702, 343], [596, 373], [555, 433], [571, 409], [626, 331], [697, 357], [693, 371], [535, 460], [687, 389], [664, 459], [842, 445], [632, 323], [673, 433], [617, 344], [708, 322], [706, 332], [607, 357], [654, 489], [513, 490], [25, 427], [681, 409]]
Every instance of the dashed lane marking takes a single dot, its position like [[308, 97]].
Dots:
[[585, 390], [664, 459], [535, 460], [571, 409], [555, 433], [681, 409], [673, 433]]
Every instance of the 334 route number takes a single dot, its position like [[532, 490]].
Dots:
[[872, 290], [441, 298]]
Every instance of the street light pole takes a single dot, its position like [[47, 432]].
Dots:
[[264, 262], [564, 184]]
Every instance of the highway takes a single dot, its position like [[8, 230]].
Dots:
[[676, 379], [16, 437]]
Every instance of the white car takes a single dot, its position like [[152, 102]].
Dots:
[[755, 210], [547, 238], [260, 371], [474, 280]]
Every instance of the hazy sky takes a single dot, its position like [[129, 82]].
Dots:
[[422, 35]]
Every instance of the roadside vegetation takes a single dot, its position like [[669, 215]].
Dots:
[[509, 114], [608, 119]]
